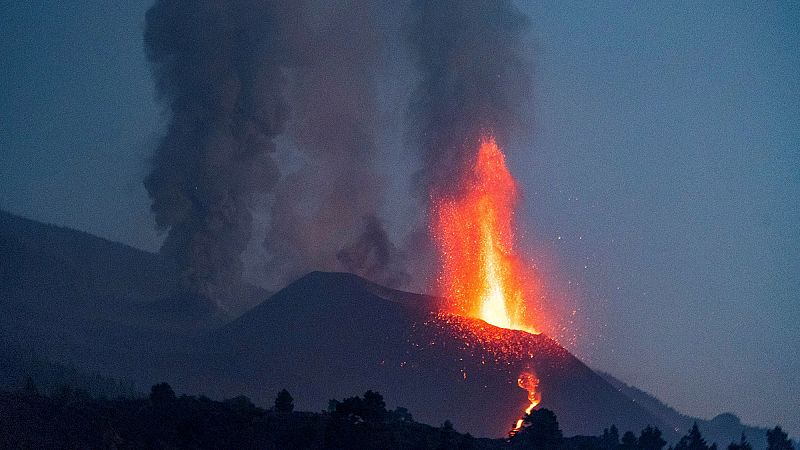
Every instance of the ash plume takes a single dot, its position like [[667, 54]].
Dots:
[[374, 256], [474, 78], [236, 74], [316, 218], [218, 67]]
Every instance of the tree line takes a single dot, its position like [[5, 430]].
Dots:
[[71, 418], [540, 431]]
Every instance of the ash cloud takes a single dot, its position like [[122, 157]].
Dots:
[[375, 256], [474, 78], [218, 67], [318, 208], [235, 75]]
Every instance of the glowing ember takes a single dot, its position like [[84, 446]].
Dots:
[[530, 383], [474, 232]]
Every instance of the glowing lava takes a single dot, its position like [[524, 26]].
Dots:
[[474, 232], [481, 275], [530, 383]]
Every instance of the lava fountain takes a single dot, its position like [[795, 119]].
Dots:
[[481, 274]]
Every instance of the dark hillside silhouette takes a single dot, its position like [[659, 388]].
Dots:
[[335, 334], [103, 307], [72, 419], [74, 297], [723, 428]]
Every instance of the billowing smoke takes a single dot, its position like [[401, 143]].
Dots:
[[375, 256], [319, 208], [219, 68], [474, 78], [235, 74]]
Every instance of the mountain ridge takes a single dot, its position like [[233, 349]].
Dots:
[[30, 274]]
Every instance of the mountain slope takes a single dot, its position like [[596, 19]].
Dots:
[[335, 334], [722, 429], [102, 305]]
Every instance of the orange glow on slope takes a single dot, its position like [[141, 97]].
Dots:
[[530, 383], [481, 275]]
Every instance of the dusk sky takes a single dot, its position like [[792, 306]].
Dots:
[[661, 176]]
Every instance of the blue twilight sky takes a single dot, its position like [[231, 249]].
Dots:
[[661, 175]]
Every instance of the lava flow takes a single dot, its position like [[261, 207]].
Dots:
[[530, 383], [481, 275]]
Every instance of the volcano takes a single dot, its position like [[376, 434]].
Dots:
[[327, 335], [333, 335]]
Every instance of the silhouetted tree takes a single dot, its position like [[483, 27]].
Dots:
[[241, 403], [284, 403], [694, 441], [447, 426], [742, 445], [402, 415], [359, 423], [777, 439], [629, 441], [610, 438], [650, 439], [162, 393], [374, 408], [371, 409], [540, 430]]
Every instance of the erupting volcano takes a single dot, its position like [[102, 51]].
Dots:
[[481, 275]]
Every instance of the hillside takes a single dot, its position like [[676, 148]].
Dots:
[[71, 296], [103, 307], [335, 334], [723, 429]]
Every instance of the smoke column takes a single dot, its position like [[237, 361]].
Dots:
[[473, 78], [218, 68], [321, 208], [235, 75]]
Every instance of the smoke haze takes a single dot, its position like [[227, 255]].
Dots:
[[473, 77], [235, 75], [218, 68], [336, 193]]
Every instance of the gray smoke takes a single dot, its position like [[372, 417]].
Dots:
[[374, 256], [319, 208], [236, 74], [229, 70], [218, 67], [474, 78]]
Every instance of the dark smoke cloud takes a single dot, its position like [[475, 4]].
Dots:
[[235, 74], [319, 208], [375, 256], [474, 78], [218, 66]]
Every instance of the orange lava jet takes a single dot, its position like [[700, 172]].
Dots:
[[530, 383], [481, 275], [474, 231]]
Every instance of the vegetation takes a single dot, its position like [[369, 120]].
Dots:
[[71, 418]]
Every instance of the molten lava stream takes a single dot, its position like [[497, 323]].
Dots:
[[530, 383]]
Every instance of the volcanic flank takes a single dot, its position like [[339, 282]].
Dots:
[[332, 335]]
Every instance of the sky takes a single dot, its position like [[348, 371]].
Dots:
[[660, 174]]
